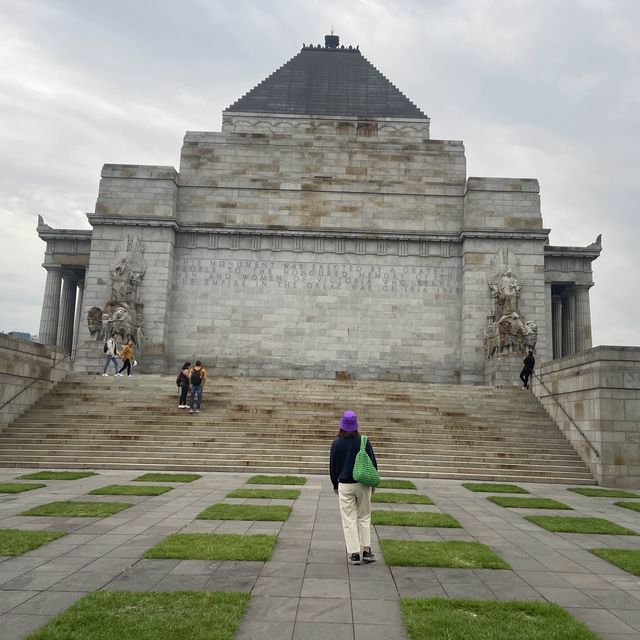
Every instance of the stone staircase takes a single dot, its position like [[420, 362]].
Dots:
[[286, 426]]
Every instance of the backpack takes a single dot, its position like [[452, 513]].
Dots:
[[196, 377], [105, 348]]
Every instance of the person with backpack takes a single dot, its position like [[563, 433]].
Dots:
[[183, 384], [197, 378], [111, 350], [354, 497]]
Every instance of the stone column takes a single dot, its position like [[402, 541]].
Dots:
[[48, 333], [76, 322], [67, 312], [568, 323], [556, 323], [583, 319]]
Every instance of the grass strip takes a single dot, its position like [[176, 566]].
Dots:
[[223, 511], [277, 480], [527, 503], [563, 524], [396, 484], [130, 490], [414, 519], [454, 553], [179, 615], [14, 542], [633, 506], [58, 475], [626, 559], [17, 487], [167, 477], [214, 546], [78, 509], [594, 492], [487, 487], [265, 494], [400, 498], [454, 619]]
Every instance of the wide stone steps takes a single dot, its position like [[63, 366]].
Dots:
[[287, 426]]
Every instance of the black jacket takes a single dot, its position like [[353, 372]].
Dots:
[[529, 363], [343, 456]]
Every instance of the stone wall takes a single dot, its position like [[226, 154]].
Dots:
[[347, 309], [600, 390], [307, 180], [27, 373]]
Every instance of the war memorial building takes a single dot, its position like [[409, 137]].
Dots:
[[322, 233]]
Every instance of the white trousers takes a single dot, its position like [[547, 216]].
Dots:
[[355, 511]]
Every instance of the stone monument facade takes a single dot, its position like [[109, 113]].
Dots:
[[321, 233]]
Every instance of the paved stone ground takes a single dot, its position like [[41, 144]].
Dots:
[[307, 590]]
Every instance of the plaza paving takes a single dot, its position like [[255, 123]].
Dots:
[[307, 590]]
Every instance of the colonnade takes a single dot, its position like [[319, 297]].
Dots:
[[570, 319], [61, 308]]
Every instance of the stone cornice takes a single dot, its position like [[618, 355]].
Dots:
[[591, 252], [505, 234], [321, 233], [97, 219]]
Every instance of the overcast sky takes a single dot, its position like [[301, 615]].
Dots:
[[546, 89]]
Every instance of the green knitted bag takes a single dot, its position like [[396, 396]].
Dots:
[[363, 469]]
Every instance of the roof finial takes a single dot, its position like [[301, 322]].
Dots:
[[331, 42]]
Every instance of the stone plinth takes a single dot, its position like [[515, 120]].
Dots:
[[503, 370]]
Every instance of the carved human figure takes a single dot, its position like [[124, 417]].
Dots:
[[508, 290], [94, 322], [121, 278]]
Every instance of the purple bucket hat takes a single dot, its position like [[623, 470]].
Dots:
[[349, 421]]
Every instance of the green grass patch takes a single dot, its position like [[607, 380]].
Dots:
[[180, 615], [487, 487], [454, 553], [14, 542], [396, 484], [414, 519], [16, 487], [78, 509], [634, 506], [453, 619], [58, 475], [562, 524], [214, 546], [168, 477], [400, 498], [594, 492], [527, 503], [222, 511], [129, 490], [277, 480], [626, 559], [265, 494]]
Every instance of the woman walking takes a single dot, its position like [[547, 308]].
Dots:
[[354, 497], [126, 354], [183, 384]]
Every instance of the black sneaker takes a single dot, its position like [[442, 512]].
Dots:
[[354, 558], [367, 556]]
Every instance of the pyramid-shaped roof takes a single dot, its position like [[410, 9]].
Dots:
[[328, 81]]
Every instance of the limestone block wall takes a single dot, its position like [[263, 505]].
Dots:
[[600, 390], [311, 181], [133, 202], [296, 312], [27, 373], [501, 217]]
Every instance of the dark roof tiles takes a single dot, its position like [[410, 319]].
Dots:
[[328, 82]]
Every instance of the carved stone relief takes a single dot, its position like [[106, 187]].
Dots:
[[123, 312]]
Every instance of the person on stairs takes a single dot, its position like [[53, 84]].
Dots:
[[197, 378], [126, 355], [527, 370], [354, 497], [111, 355], [183, 384]]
